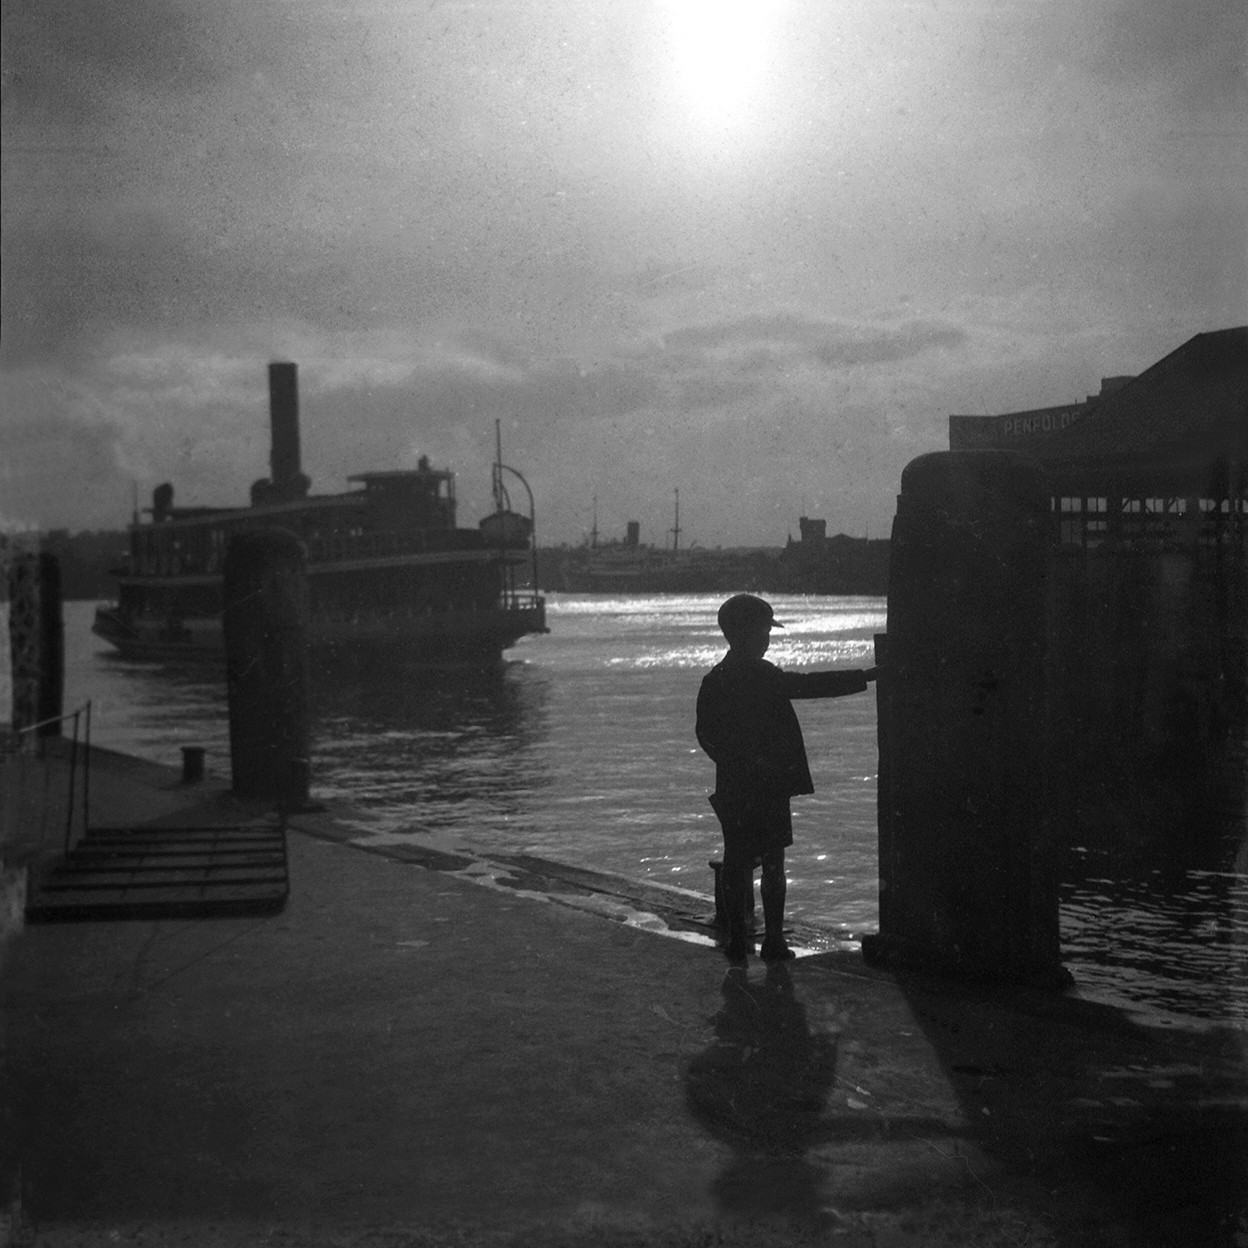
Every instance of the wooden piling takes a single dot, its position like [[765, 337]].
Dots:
[[968, 879], [265, 607], [36, 641]]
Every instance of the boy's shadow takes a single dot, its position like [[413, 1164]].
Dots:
[[761, 1087]]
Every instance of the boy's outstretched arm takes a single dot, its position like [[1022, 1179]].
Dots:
[[835, 684]]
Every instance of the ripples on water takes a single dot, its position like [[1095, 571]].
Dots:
[[1174, 939], [582, 750]]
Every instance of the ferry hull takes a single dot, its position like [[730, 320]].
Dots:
[[433, 639], [388, 570]]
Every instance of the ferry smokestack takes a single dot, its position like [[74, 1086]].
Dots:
[[284, 468]]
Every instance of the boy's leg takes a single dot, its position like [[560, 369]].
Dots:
[[774, 887], [735, 881]]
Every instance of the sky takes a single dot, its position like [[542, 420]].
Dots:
[[754, 252]]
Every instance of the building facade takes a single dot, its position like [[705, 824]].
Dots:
[[1146, 588], [1017, 431]]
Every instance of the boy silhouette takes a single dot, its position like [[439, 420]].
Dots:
[[746, 723]]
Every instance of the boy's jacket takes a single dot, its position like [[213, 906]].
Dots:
[[747, 724]]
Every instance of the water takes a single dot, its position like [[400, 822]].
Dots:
[[582, 751]]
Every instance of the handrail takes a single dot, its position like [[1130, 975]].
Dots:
[[52, 719], [80, 715], [532, 512]]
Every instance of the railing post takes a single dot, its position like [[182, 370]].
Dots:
[[73, 770], [86, 776]]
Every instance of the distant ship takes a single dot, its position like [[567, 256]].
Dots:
[[635, 569], [817, 564], [628, 567], [389, 572]]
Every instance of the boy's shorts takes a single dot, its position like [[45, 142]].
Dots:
[[755, 826]]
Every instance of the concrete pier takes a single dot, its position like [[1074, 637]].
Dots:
[[406, 1056]]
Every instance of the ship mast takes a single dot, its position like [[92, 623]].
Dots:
[[500, 493], [676, 526]]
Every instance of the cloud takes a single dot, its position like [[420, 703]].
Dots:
[[1198, 48], [683, 277], [64, 274], [832, 344], [65, 60], [74, 278], [1191, 52], [58, 455], [709, 390]]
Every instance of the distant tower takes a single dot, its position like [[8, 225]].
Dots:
[[813, 530]]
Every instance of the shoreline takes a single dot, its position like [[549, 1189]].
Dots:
[[663, 909]]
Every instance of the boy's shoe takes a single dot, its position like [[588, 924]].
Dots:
[[776, 950]]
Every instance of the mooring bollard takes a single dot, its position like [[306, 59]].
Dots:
[[266, 666], [968, 881], [36, 641], [192, 764]]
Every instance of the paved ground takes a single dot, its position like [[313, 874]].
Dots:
[[405, 1057]]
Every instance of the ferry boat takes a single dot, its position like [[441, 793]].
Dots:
[[390, 573]]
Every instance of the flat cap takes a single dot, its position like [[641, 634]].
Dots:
[[746, 611]]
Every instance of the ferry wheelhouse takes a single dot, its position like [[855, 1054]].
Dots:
[[390, 573]]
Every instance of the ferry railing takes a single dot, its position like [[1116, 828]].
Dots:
[[518, 600], [336, 546], [521, 600], [502, 501], [37, 790]]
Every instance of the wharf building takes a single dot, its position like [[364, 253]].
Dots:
[[1160, 459], [1146, 588], [1066, 662], [819, 564]]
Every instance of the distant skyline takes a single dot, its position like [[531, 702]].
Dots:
[[756, 251]]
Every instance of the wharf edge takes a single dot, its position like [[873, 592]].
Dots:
[[398, 1057]]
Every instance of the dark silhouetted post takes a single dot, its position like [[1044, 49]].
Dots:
[[192, 764], [968, 883], [36, 641], [266, 666]]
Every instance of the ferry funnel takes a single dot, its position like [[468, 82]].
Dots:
[[284, 468]]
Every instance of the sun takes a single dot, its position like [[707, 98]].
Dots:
[[720, 53]]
